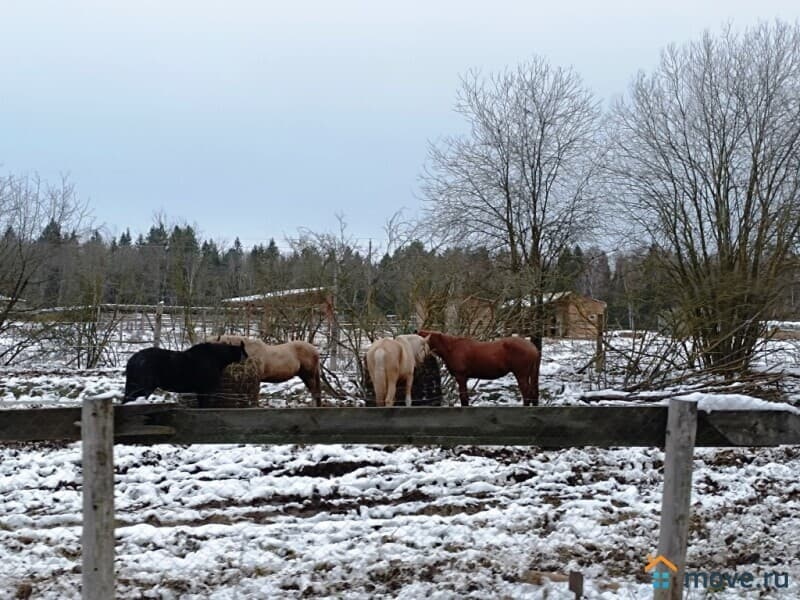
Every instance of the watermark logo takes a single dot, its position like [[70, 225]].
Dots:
[[662, 569], [664, 572]]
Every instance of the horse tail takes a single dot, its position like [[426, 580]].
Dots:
[[316, 379], [533, 377], [379, 377]]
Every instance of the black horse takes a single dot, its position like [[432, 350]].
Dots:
[[198, 369]]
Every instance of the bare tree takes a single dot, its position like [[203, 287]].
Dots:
[[185, 259], [520, 182], [706, 159], [28, 207], [348, 277]]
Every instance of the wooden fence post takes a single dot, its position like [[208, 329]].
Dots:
[[97, 435], [600, 349], [157, 326], [676, 500]]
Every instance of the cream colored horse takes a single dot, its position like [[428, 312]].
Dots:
[[390, 360], [281, 362]]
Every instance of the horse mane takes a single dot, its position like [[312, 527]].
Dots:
[[446, 340]]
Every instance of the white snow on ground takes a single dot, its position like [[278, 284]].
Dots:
[[331, 521]]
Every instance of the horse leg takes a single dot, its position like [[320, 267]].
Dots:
[[529, 385], [130, 392], [391, 390], [533, 383], [524, 387], [462, 390], [409, 383], [312, 382], [533, 377]]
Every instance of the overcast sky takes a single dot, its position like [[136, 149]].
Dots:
[[258, 118]]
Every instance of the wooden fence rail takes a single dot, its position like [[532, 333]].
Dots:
[[549, 427], [677, 428]]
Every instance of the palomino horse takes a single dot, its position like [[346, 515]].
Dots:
[[281, 362], [390, 360], [198, 369], [465, 358]]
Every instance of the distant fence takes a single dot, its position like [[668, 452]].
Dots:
[[158, 323], [678, 428], [111, 333]]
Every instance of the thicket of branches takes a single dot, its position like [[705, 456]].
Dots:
[[706, 162]]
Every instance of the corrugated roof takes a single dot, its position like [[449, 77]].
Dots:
[[275, 294]]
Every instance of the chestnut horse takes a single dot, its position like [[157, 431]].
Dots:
[[465, 358], [390, 360], [281, 362]]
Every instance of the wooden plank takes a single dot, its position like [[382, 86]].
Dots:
[[551, 427], [40, 424], [548, 427], [141, 420], [576, 584], [748, 428], [64, 424], [97, 428], [676, 499]]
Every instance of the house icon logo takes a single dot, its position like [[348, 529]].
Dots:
[[661, 569]]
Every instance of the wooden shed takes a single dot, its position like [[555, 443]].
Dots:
[[566, 314], [573, 315], [470, 315]]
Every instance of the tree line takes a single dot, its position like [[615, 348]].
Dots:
[[173, 265]]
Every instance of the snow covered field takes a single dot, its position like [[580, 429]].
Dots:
[[336, 521]]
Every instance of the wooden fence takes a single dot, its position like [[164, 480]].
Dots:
[[677, 428]]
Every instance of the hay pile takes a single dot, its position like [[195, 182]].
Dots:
[[238, 387]]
